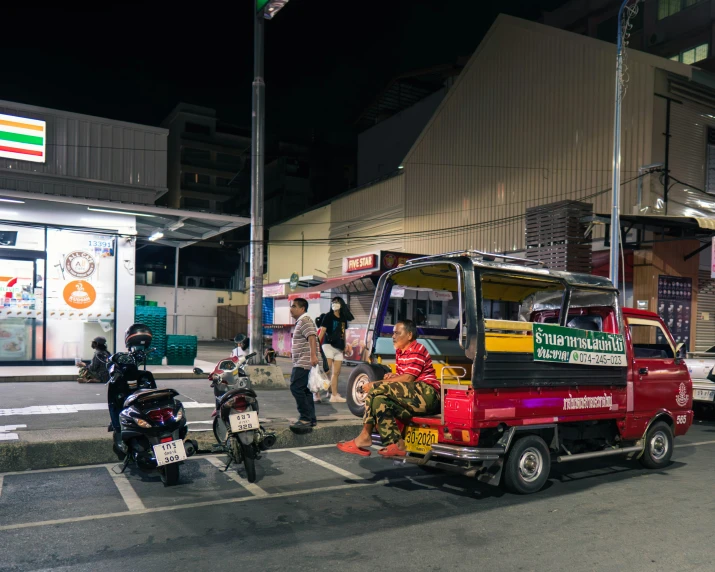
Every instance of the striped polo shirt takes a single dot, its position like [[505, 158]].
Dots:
[[304, 328], [415, 360]]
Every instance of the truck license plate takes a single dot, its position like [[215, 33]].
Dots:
[[243, 421], [703, 395], [419, 440], [168, 453]]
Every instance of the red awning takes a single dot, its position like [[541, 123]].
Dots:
[[353, 284]]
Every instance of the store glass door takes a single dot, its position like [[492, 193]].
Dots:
[[21, 309]]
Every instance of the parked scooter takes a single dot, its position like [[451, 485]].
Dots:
[[149, 424], [236, 425]]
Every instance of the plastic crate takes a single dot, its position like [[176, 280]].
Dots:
[[181, 350]]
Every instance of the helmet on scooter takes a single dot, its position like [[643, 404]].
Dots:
[[239, 339], [138, 335]]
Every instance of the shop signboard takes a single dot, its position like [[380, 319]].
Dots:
[[390, 260], [674, 303], [22, 139], [361, 263], [712, 259], [273, 290]]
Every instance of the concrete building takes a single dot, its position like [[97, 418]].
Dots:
[[528, 123], [209, 167], [681, 30]]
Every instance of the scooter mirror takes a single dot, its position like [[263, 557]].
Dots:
[[198, 371]]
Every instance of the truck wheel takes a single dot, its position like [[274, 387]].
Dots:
[[658, 446], [362, 374], [527, 466]]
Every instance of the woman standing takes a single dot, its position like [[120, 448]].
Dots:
[[332, 336]]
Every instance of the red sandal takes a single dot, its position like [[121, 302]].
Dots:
[[392, 451], [352, 448]]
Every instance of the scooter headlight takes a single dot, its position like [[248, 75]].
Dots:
[[180, 414], [142, 423]]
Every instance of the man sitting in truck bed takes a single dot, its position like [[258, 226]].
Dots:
[[413, 390]]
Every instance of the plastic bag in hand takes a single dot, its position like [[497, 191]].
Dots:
[[318, 380]]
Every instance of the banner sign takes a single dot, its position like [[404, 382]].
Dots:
[[22, 138], [357, 263], [568, 345]]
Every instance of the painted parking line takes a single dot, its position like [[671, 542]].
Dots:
[[129, 495], [695, 444], [252, 488], [1, 479], [326, 465], [206, 504]]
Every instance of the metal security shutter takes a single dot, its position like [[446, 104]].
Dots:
[[705, 329], [360, 305]]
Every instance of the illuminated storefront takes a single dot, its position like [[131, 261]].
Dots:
[[60, 287]]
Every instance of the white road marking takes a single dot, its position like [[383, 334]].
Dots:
[[77, 407], [129, 495], [695, 444], [204, 504], [252, 488], [5, 434], [301, 448], [1, 479], [326, 465]]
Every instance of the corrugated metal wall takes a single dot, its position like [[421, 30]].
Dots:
[[705, 329], [369, 219], [529, 122], [106, 159]]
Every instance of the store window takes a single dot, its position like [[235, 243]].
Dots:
[[80, 284]]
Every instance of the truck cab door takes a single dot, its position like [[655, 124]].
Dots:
[[660, 381]]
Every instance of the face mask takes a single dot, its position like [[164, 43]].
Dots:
[[336, 307]]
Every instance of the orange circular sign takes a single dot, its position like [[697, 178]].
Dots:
[[79, 294]]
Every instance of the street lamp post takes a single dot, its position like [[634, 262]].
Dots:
[[264, 10], [615, 207]]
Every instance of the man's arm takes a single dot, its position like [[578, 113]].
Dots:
[[395, 378], [312, 340]]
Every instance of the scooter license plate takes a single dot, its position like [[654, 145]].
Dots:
[[420, 440], [246, 421], [168, 453]]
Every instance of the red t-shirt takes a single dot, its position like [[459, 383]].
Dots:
[[415, 360]]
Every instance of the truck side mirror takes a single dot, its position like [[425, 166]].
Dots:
[[679, 353]]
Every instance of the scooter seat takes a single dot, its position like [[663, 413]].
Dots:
[[150, 394]]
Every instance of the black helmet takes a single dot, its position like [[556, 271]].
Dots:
[[138, 335], [239, 338]]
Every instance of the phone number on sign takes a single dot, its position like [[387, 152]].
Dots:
[[596, 359]]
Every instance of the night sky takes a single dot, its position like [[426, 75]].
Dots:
[[325, 60]]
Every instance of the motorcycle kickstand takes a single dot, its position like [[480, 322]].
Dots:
[[125, 465]]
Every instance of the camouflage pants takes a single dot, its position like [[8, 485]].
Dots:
[[387, 402]]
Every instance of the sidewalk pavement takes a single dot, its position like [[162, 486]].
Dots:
[[64, 424]]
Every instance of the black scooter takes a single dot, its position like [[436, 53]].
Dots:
[[152, 431], [236, 425]]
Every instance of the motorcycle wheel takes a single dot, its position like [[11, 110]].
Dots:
[[249, 462], [170, 475], [220, 432]]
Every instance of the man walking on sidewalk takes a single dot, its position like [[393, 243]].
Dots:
[[305, 355]]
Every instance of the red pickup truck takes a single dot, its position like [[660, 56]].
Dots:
[[536, 366]]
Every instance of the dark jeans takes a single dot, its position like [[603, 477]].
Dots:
[[303, 396]]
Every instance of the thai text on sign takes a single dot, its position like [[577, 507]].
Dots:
[[569, 345]]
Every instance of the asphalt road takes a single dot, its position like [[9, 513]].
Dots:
[[319, 509]]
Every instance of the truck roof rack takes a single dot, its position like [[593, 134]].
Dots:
[[486, 256]]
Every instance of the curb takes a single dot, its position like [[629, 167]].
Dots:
[[21, 456]]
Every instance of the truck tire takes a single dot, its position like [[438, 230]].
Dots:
[[658, 446], [528, 465], [362, 374]]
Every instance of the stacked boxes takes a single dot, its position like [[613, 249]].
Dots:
[[154, 317], [181, 350]]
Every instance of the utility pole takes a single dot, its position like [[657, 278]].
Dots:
[[264, 10], [616, 195]]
